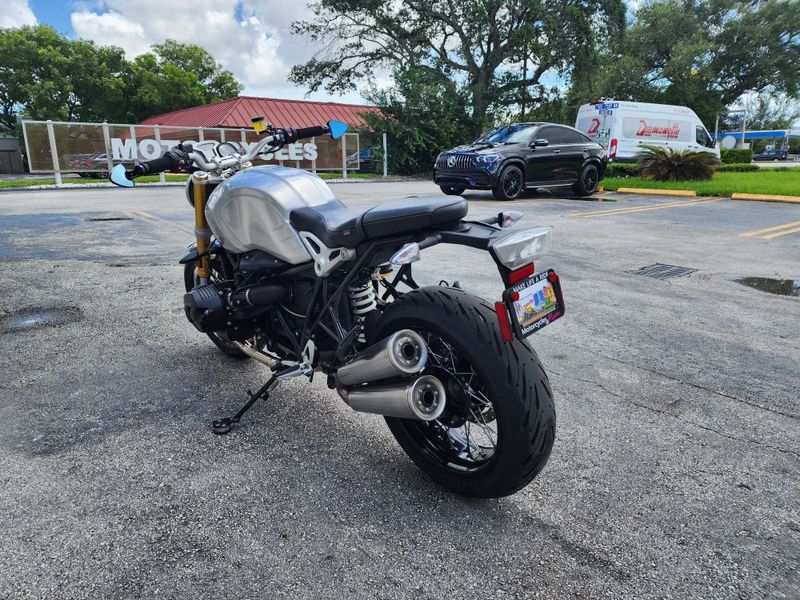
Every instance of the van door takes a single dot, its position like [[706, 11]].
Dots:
[[702, 140]]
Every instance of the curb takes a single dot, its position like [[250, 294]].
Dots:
[[684, 193], [766, 198]]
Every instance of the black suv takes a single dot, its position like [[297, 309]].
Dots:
[[512, 158]]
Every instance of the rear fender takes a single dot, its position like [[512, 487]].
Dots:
[[474, 234]]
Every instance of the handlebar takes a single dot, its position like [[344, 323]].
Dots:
[[183, 156], [305, 132]]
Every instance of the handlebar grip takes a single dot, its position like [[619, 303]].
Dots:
[[305, 132], [171, 160], [157, 165]]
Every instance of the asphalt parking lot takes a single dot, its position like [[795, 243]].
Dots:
[[675, 473]]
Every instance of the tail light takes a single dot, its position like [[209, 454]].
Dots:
[[612, 149]]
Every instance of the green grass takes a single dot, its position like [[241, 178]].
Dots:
[[17, 183], [783, 183]]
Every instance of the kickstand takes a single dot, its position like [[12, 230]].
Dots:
[[223, 426]]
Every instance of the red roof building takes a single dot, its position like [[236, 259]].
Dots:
[[238, 111]]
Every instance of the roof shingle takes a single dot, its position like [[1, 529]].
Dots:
[[238, 111]]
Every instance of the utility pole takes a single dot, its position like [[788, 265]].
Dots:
[[744, 121], [524, 89]]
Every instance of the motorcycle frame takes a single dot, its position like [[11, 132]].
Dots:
[[370, 254]]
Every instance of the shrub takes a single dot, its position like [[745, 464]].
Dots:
[[737, 168], [736, 155], [621, 170], [666, 164]]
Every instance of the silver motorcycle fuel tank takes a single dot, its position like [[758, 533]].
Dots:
[[250, 211]]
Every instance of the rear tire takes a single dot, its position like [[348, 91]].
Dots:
[[452, 190], [507, 374], [587, 182], [510, 183]]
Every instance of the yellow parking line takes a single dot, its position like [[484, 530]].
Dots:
[[147, 216], [159, 221], [780, 233], [758, 232], [636, 209]]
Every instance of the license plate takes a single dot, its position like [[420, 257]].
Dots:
[[534, 302]]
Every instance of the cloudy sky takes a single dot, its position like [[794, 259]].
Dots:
[[249, 37]]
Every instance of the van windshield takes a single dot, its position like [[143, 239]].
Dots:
[[508, 134]]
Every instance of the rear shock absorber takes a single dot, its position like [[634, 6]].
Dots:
[[363, 300]]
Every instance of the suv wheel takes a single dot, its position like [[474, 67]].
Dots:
[[452, 191], [510, 183], [587, 183]]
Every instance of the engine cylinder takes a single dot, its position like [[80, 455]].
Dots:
[[422, 399], [402, 353]]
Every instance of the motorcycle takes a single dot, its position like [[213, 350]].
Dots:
[[283, 273]]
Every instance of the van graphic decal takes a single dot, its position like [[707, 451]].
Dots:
[[645, 130], [593, 129]]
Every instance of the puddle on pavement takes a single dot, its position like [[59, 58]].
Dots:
[[781, 287], [33, 318]]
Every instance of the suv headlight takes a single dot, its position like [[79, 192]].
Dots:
[[486, 162]]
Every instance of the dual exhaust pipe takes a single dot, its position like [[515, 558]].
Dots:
[[365, 382]]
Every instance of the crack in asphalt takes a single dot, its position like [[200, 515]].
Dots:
[[689, 383], [678, 417]]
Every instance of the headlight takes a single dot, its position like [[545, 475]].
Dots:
[[487, 162], [486, 159], [522, 247]]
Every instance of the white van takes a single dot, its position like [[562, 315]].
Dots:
[[623, 127]]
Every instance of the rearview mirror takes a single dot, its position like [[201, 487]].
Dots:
[[117, 177], [337, 129], [540, 142]]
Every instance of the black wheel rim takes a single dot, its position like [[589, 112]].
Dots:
[[590, 180], [465, 437], [512, 182]]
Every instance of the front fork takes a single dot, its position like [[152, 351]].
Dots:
[[201, 229]]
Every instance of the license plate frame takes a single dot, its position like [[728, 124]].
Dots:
[[534, 306]]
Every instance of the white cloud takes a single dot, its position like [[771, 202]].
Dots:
[[249, 38], [111, 29], [16, 14]]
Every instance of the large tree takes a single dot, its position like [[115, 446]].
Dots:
[[48, 76], [496, 52], [704, 54], [217, 83]]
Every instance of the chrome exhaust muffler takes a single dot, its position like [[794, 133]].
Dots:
[[401, 354], [422, 399]]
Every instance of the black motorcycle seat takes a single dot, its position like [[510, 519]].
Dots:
[[333, 223], [336, 225]]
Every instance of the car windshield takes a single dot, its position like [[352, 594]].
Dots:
[[508, 134]]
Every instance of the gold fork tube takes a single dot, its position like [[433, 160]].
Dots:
[[201, 230]]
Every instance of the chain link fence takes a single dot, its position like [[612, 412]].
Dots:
[[92, 149]]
